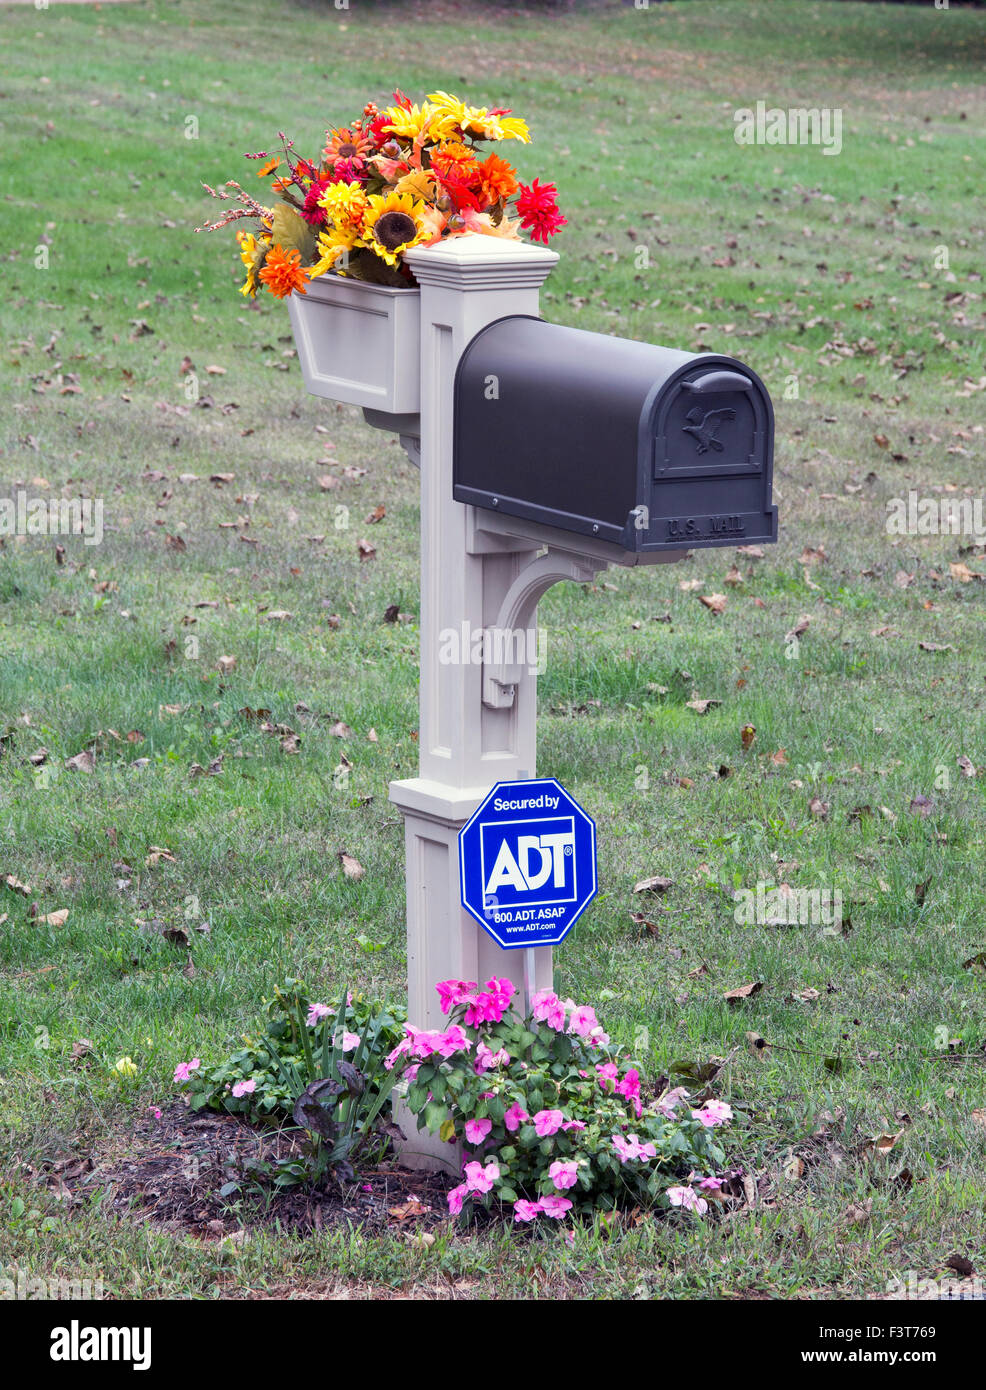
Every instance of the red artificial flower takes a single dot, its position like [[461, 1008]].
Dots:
[[310, 211], [459, 195], [538, 210]]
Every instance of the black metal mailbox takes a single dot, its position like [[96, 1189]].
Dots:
[[648, 447]]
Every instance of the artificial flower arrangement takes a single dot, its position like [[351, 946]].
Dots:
[[397, 178]]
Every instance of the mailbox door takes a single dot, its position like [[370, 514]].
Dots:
[[711, 458]]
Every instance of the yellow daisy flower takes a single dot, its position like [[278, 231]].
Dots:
[[334, 244], [249, 246], [450, 112], [411, 123], [345, 203]]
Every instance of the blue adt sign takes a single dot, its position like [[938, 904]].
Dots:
[[527, 863]]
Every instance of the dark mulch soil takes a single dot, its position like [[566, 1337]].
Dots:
[[171, 1169]]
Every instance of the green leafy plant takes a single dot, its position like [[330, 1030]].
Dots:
[[322, 1068]]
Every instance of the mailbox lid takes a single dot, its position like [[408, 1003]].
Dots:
[[710, 437], [548, 422], [712, 420]]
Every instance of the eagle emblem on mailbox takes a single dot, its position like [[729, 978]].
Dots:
[[704, 425]]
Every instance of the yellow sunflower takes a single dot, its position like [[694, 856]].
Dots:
[[393, 225]]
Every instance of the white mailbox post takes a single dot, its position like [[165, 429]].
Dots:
[[478, 572], [465, 744]]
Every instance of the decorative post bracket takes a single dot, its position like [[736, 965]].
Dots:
[[505, 641]]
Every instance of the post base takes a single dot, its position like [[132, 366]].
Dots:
[[422, 1150]]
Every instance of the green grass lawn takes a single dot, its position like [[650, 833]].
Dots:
[[826, 275]]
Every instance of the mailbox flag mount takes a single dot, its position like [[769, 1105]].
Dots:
[[645, 447]]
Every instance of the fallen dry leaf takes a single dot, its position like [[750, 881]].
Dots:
[[351, 867], [960, 570], [716, 603], [748, 735], [813, 555], [702, 706], [54, 919], [225, 664], [82, 762], [15, 886], [156, 853], [657, 884], [736, 996]]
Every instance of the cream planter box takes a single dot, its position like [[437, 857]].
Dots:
[[359, 343]]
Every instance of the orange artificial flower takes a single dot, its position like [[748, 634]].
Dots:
[[269, 167], [497, 178], [283, 272], [455, 161]]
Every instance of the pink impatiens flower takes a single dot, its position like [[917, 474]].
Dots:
[[668, 1104], [452, 992], [487, 1059], [350, 1041], [573, 1124], [515, 1117], [712, 1113], [480, 1179], [564, 1174], [555, 1206], [490, 1004], [183, 1071], [630, 1148], [316, 1012], [244, 1088], [582, 1020], [455, 1198], [548, 1008], [629, 1086], [608, 1072], [548, 1122], [688, 1198], [477, 1130], [526, 1211]]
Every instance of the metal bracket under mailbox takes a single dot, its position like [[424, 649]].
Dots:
[[406, 427]]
